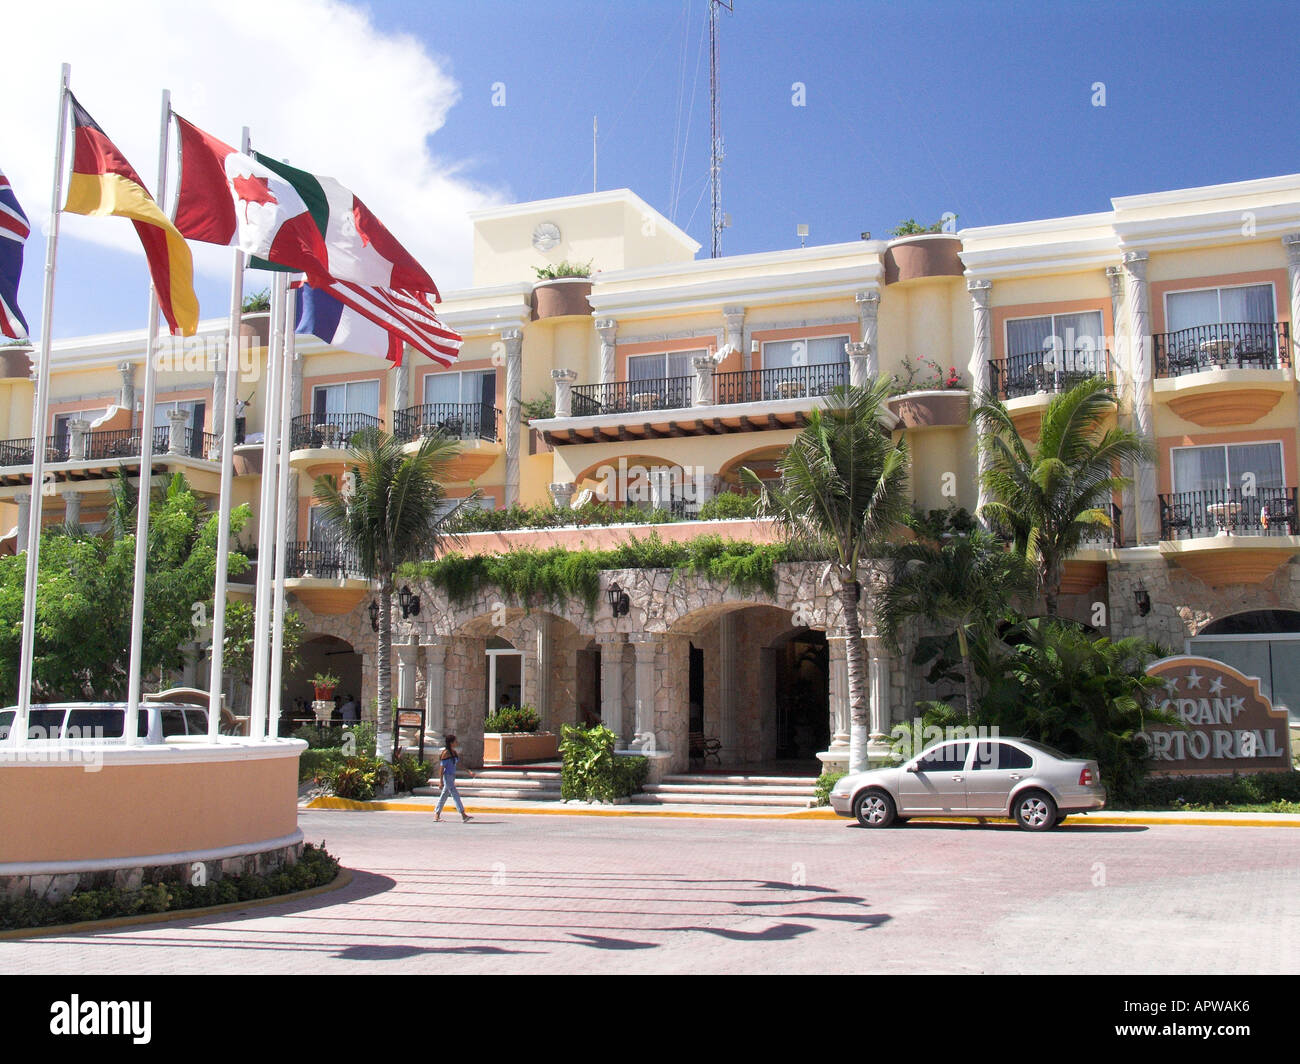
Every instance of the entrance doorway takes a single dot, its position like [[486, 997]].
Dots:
[[802, 697], [505, 674]]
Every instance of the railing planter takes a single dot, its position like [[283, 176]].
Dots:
[[939, 408], [911, 258], [15, 361], [255, 329], [562, 297]]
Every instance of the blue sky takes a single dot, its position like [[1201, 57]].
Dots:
[[912, 109]]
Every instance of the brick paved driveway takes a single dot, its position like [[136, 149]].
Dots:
[[579, 894]]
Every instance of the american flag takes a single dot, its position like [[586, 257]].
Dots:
[[407, 316], [13, 235]]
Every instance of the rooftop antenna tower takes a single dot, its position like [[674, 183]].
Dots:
[[716, 220]]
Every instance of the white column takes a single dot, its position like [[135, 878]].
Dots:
[[859, 364], [608, 329], [868, 311], [77, 429], [544, 663], [646, 646], [1123, 392], [435, 678], [704, 366], [24, 521], [838, 663], [611, 684], [176, 431], [562, 495], [733, 320], [72, 508], [127, 398], [981, 353], [514, 341], [1292, 244], [407, 656], [878, 673], [564, 379], [1141, 373], [728, 730]]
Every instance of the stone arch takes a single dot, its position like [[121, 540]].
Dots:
[[323, 652], [763, 460]]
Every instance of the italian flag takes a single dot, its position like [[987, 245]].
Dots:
[[287, 217]]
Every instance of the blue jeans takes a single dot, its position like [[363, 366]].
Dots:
[[449, 791]]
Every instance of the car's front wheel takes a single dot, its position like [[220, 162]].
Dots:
[[874, 809], [1035, 811]]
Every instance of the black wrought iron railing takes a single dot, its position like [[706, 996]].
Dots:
[[19, 452], [784, 382], [625, 397], [460, 421], [330, 561], [1236, 345], [1114, 537], [1229, 512], [1047, 371], [328, 430]]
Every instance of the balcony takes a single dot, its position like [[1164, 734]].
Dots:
[[101, 447], [626, 397], [458, 421], [784, 382], [1228, 536], [1237, 345], [330, 432], [325, 577], [1047, 372]]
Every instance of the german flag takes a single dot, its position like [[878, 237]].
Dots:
[[103, 182]]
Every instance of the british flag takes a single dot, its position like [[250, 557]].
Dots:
[[13, 235]]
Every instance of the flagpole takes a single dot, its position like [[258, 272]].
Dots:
[[227, 470], [288, 510], [267, 512], [146, 456], [41, 413]]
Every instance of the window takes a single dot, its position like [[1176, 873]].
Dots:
[[951, 757], [468, 386], [195, 411], [1221, 467], [319, 530], [813, 351], [1261, 643], [1056, 333], [484, 502], [1219, 306], [89, 416], [993, 756], [350, 397], [661, 367]]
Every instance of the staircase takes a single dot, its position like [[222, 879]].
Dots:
[[764, 792], [529, 783]]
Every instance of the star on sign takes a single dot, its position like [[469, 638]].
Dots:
[[1171, 684], [1216, 686], [1194, 679]]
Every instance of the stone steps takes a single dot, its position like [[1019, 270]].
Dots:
[[783, 792]]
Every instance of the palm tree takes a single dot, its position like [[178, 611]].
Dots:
[[964, 582], [1049, 498], [388, 514], [843, 487]]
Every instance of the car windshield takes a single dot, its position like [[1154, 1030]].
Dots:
[[1044, 748]]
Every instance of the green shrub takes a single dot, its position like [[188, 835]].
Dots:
[[825, 783], [1279, 790], [592, 771], [410, 772], [357, 778], [728, 505], [513, 719], [563, 269]]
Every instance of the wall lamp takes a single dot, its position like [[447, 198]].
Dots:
[[374, 615], [410, 603], [1143, 599], [619, 603]]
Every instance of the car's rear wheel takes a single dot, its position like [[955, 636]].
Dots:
[[1034, 811], [874, 809]]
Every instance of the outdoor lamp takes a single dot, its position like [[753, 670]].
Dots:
[[374, 615], [619, 603], [410, 603], [1143, 599]]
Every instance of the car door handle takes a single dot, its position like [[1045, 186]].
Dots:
[[1015, 776], [957, 779]]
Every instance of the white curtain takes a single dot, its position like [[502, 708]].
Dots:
[[1186, 310], [1262, 459], [1199, 469], [442, 388], [1252, 303], [645, 368], [1029, 336]]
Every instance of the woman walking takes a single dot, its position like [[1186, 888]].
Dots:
[[448, 760]]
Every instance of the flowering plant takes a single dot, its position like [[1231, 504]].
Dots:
[[925, 374]]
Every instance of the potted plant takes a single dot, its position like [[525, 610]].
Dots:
[[324, 683], [928, 396], [510, 735], [918, 251], [563, 290]]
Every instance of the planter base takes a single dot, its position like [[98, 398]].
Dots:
[[515, 748]]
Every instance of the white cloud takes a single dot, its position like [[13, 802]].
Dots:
[[315, 80]]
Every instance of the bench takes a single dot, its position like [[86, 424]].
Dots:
[[703, 747]]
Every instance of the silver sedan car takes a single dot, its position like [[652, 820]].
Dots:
[[1035, 785]]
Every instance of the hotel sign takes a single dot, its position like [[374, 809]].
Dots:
[[1231, 726]]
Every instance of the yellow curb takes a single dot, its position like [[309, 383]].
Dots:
[[341, 880], [801, 814]]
